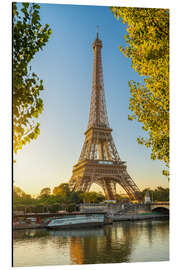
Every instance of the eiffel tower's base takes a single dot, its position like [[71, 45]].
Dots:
[[106, 174]]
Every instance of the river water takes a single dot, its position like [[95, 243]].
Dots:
[[140, 241]]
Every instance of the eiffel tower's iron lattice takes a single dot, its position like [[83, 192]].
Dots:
[[99, 161]]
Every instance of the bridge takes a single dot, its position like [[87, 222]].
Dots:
[[159, 207]]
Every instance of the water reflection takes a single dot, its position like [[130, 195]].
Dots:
[[120, 242], [78, 233], [27, 234]]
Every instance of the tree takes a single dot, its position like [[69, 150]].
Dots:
[[162, 194], [62, 189], [158, 194], [45, 192], [18, 192], [93, 197], [148, 48], [29, 36], [63, 192], [76, 197], [21, 199]]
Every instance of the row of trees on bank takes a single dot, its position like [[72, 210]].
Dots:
[[63, 199], [158, 194], [60, 199]]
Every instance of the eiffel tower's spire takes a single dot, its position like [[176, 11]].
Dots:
[[98, 114]]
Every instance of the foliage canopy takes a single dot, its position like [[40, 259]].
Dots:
[[29, 36], [147, 42], [46, 191]]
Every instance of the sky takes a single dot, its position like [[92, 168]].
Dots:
[[65, 65]]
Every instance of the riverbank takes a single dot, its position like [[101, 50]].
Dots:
[[28, 226], [135, 217], [108, 220]]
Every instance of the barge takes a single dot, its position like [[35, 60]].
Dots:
[[76, 222]]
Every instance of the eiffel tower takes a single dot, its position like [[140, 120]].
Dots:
[[99, 161]]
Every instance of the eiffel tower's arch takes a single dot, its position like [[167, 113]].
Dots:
[[97, 187], [109, 186]]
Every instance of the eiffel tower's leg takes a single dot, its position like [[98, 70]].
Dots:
[[113, 184], [109, 191], [72, 184], [109, 188], [129, 186], [86, 185], [102, 184], [76, 184]]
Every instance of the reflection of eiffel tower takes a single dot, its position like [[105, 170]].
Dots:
[[99, 161], [113, 246]]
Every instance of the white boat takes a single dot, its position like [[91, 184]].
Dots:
[[76, 222]]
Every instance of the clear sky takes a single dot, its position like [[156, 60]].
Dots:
[[66, 65]]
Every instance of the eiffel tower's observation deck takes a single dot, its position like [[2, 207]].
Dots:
[[99, 161]]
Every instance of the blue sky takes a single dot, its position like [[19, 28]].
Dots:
[[65, 65]]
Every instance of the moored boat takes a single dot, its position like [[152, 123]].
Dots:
[[76, 222]]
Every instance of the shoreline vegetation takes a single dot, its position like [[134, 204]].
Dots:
[[62, 199]]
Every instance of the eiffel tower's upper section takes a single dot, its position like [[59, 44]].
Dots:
[[98, 114]]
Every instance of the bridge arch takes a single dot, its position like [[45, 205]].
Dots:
[[161, 209]]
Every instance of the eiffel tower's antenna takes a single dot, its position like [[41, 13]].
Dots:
[[97, 30]]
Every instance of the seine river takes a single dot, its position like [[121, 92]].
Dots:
[[140, 241]]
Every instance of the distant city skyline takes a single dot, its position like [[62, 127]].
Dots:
[[66, 65]]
